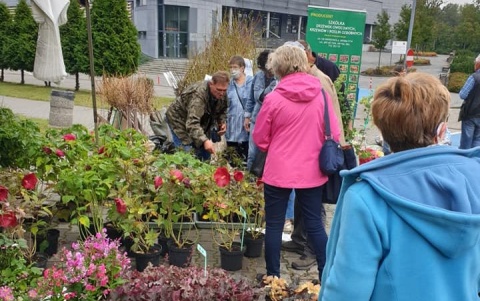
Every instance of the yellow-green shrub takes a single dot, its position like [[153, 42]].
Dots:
[[239, 39], [456, 81]]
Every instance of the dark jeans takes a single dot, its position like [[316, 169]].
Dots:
[[470, 136], [200, 152], [310, 202]]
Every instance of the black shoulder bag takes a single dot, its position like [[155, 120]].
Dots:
[[331, 157]]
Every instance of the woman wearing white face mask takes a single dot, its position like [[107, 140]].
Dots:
[[238, 93]]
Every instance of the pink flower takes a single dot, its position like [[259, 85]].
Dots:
[[3, 193], [186, 182], [158, 182], [121, 207], [8, 220], [69, 137], [238, 176], [29, 181], [221, 177], [221, 205], [101, 150], [6, 293], [32, 293], [60, 153], [176, 175], [47, 150]]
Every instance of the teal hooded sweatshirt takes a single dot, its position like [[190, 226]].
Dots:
[[407, 228]]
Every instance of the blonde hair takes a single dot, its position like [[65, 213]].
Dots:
[[408, 110], [287, 59]]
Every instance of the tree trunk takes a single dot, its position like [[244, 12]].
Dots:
[[2, 76], [77, 81], [379, 57], [22, 72]]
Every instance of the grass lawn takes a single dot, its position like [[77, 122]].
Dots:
[[82, 97], [42, 123]]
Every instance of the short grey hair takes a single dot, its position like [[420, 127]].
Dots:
[[477, 60], [288, 59]]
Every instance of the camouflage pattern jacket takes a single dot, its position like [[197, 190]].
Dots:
[[192, 115]]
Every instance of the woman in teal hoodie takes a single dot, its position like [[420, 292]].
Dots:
[[407, 226]]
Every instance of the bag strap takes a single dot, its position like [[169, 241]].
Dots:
[[238, 95], [326, 117]]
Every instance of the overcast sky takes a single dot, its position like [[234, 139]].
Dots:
[[459, 1]]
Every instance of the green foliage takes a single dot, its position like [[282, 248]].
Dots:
[[456, 81], [15, 271], [74, 41], [20, 50], [400, 28], [225, 43], [463, 62], [115, 45], [5, 23], [20, 140], [382, 32]]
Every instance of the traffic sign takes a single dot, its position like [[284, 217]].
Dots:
[[409, 58]]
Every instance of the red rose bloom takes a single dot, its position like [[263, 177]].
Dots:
[[47, 150], [3, 193], [121, 207], [176, 175], [238, 176], [69, 137], [221, 177], [29, 181], [158, 181], [60, 153], [8, 220], [101, 150]]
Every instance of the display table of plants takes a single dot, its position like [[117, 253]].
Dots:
[[131, 205]]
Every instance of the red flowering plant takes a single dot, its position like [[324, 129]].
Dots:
[[132, 207], [233, 190], [90, 270], [186, 179]]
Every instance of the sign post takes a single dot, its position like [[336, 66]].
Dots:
[[409, 58], [337, 35]]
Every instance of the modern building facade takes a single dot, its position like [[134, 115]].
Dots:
[[178, 28]]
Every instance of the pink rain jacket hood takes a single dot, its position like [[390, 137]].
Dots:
[[290, 126]]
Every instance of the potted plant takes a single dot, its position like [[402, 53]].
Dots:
[[234, 197], [182, 284], [90, 270]]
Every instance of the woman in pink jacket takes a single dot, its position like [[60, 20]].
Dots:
[[290, 127]]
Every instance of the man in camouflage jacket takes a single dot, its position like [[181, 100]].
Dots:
[[200, 108]]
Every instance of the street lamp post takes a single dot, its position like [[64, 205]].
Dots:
[[410, 30], [86, 3]]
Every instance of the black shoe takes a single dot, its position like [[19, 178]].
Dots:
[[291, 246], [304, 263]]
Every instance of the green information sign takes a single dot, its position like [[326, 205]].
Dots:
[[337, 35]]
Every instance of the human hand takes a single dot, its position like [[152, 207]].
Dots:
[[208, 146], [223, 129], [246, 124]]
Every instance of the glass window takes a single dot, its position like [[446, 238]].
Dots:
[[275, 24], [160, 44], [292, 24], [171, 18], [183, 18], [160, 17]]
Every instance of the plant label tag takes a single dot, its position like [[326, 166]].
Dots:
[[201, 250], [204, 254], [243, 212]]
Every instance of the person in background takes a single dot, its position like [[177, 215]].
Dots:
[[263, 83], [300, 243], [399, 70], [470, 112], [238, 93], [406, 226], [290, 127], [198, 113]]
